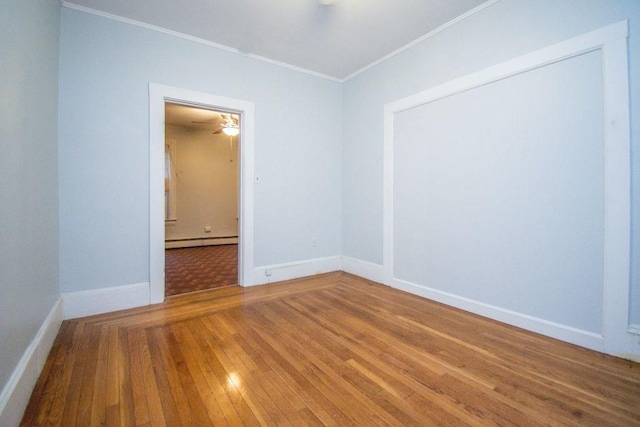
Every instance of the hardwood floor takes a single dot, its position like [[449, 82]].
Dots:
[[328, 350]]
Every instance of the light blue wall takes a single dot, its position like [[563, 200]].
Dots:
[[507, 209], [504, 30], [105, 70], [28, 171], [318, 143], [302, 121]]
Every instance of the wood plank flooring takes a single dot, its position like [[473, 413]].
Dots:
[[328, 350]]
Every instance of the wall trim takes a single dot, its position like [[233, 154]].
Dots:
[[611, 41], [559, 331], [158, 95], [570, 334], [17, 392], [105, 300], [365, 269], [91, 11], [130, 21], [294, 270], [422, 38], [203, 241]]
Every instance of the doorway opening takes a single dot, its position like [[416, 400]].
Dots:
[[201, 198], [159, 95]]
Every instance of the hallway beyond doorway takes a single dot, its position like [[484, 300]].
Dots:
[[200, 268]]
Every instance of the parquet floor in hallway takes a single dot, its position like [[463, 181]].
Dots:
[[200, 268]]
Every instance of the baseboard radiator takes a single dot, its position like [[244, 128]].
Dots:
[[200, 241]]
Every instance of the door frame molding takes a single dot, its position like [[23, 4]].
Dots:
[[158, 96]]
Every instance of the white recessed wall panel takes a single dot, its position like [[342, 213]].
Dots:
[[499, 194], [520, 203]]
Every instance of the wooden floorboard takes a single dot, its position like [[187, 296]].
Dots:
[[327, 350]]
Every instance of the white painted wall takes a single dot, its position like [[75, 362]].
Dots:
[[506, 29], [206, 184], [29, 282], [105, 70]]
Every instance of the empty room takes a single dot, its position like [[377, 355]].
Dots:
[[428, 209]]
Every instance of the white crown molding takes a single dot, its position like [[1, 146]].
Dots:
[[422, 38], [195, 39], [430, 34]]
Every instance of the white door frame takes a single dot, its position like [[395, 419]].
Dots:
[[158, 95]]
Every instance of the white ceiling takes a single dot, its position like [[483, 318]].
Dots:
[[333, 40]]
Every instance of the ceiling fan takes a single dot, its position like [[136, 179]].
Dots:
[[227, 123]]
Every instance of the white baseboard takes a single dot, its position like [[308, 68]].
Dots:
[[104, 300], [633, 334], [173, 244], [294, 270], [544, 327], [17, 392], [365, 269]]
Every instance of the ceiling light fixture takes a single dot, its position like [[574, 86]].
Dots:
[[231, 130], [327, 2]]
